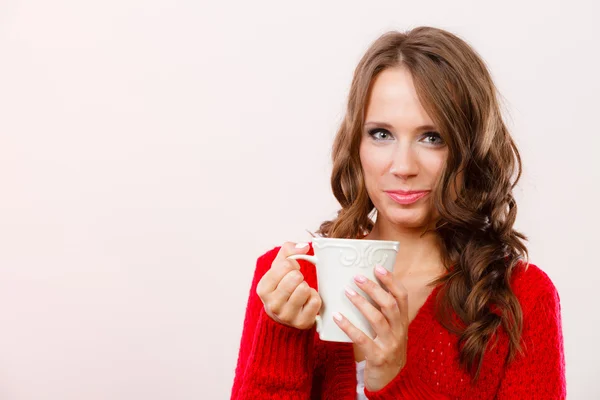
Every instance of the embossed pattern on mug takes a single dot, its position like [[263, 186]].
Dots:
[[369, 256]]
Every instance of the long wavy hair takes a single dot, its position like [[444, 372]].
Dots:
[[479, 245]]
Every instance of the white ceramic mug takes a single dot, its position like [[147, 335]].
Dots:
[[337, 262]]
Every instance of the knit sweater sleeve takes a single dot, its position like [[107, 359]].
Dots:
[[540, 372], [274, 361]]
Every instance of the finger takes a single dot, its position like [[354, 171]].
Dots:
[[300, 296], [277, 299], [288, 249], [400, 294], [358, 337], [279, 268], [388, 305], [313, 306], [376, 318], [308, 313], [273, 277]]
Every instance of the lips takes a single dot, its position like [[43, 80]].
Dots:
[[407, 197]]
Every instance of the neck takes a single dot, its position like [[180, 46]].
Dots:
[[419, 254]]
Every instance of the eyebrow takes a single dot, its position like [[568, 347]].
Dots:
[[388, 126]]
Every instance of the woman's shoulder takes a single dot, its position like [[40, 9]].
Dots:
[[531, 284], [269, 255]]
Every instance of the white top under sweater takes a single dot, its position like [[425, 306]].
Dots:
[[360, 378]]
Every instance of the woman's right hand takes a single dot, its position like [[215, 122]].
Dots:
[[287, 298]]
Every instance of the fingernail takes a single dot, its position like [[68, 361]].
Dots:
[[381, 270], [360, 279], [338, 316], [350, 291], [301, 245]]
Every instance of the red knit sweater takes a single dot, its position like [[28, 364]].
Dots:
[[280, 362]]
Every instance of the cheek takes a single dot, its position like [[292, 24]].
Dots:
[[374, 160], [369, 165], [433, 162], [371, 169]]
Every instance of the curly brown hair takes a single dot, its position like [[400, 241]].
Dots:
[[479, 245]]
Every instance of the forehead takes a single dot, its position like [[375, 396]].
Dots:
[[392, 98]]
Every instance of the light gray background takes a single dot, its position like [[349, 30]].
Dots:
[[150, 151]]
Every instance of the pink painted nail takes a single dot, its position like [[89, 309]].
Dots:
[[350, 291], [381, 270], [338, 316], [360, 279]]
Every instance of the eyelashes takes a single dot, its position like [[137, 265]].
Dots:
[[372, 132], [438, 141]]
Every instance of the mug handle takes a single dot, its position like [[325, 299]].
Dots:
[[313, 260]]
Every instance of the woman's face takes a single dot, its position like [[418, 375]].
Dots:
[[400, 150]]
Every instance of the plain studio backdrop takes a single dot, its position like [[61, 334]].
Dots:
[[150, 151]]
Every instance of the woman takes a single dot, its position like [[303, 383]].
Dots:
[[424, 151]]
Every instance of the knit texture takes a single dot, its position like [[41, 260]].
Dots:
[[280, 362]]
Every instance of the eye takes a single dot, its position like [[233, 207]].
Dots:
[[384, 134], [433, 138]]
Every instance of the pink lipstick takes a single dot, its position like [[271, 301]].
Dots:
[[407, 197]]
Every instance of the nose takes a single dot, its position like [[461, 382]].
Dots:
[[404, 163]]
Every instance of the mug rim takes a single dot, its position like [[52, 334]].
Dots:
[[356, 240]]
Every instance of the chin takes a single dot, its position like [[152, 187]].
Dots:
[[408, 218]]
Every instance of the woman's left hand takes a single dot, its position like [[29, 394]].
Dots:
[[386, 354]]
